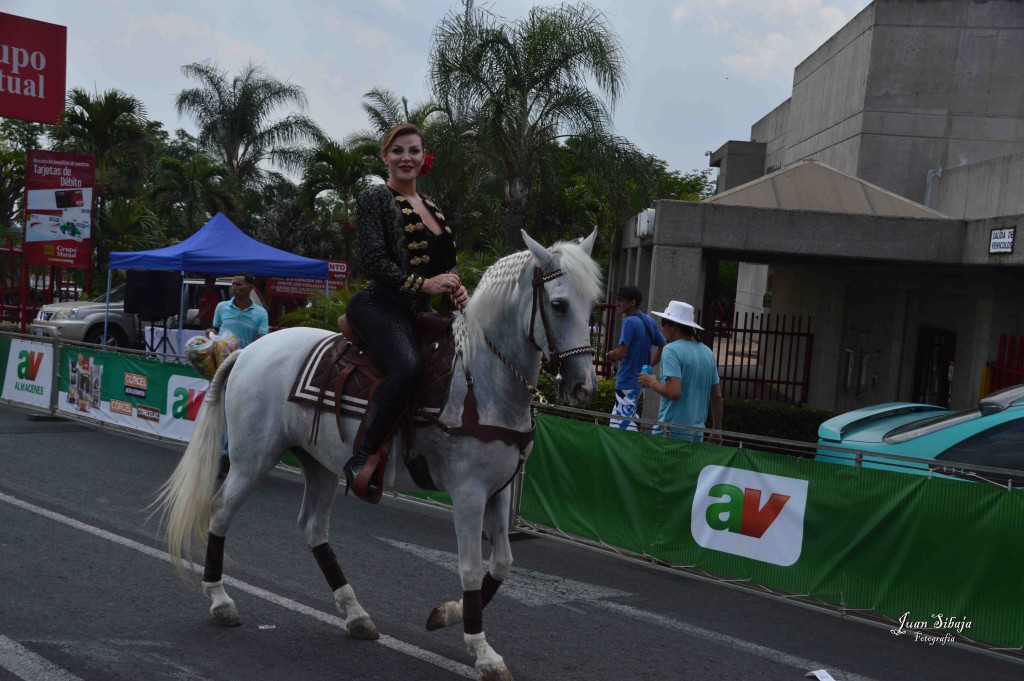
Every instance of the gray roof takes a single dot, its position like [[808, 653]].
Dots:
[[812, 185]]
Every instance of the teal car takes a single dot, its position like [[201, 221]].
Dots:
[[924, 439]]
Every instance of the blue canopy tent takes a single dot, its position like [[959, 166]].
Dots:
[[218, 247]]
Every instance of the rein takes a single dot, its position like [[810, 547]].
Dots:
[[551, 363], [555, 357], [471, 425]]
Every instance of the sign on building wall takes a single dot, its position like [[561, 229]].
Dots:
[[337, 272], [1001, 240], [33, 59], [58, 208]]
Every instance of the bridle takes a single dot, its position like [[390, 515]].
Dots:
[[552, 360]]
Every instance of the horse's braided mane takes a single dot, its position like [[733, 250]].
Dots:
[[497, 289]]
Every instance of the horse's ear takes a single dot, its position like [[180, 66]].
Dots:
[[544, 258], [588, 244]]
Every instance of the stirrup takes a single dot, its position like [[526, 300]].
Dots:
[[369, 484]]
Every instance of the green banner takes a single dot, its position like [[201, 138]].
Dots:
[[160, 398], [927, 550], [5, 349]]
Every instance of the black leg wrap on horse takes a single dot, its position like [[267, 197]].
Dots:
[[213, 570], [488, 589], [328, 563], [472, 612]]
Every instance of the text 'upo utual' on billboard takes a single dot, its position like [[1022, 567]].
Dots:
[[33, 63]]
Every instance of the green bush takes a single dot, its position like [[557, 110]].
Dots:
[[774, 419], [602, 401], [322, 311], [766, 419]]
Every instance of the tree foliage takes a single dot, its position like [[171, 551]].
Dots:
[[237, 124], [524, 85]]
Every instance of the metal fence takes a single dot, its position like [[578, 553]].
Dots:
[[764, 357], [760, 356]]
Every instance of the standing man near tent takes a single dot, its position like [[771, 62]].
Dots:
[[209, 301], [241, 315], [248, 321]]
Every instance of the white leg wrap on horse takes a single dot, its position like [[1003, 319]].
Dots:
[[485, 656], [357, 620], [222, 607]]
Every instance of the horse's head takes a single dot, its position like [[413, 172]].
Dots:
[[566, 284]]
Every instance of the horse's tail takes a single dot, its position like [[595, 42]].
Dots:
[[183, 502]]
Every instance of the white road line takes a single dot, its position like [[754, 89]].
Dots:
[[23, 663], [543, 589], [727, 641], [529, 587], [387, 641]]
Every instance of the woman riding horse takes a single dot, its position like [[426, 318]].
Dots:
[[408, 253]]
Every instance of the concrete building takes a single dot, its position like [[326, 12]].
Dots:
[[879, 196]]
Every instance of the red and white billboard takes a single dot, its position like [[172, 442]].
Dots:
[[337, 271], [58, 208], [33, 62]]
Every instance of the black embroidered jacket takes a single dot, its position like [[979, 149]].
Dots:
[[392, 243]]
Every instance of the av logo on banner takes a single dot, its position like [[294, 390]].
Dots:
[[755, 515], [185, 396], [29, 373]]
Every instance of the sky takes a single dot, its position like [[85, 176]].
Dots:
[[700, 72]]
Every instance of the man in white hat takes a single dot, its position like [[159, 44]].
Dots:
[[691, 377]]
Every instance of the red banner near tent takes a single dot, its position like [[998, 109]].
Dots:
[[58, 208], [337, 272], [33, 63]]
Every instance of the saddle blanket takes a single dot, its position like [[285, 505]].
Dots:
[[318, 377]]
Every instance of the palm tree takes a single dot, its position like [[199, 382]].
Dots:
[[342, 170], [113, 127], [526, 85], [235, 119], [385, 109], [197, 186], [131, 225]]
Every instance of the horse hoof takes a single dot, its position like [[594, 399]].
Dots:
[[226, 616], [444, 615], [363, 629], [499, 673]]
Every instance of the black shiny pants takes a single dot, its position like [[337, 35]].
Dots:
[[388, 330]]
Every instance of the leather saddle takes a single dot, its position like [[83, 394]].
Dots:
[[340, 376]]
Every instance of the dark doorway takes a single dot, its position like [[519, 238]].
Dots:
[[933, 375]]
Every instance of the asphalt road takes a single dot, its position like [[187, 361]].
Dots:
[[87, 593]]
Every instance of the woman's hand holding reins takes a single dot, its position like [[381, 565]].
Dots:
[[447, 283]]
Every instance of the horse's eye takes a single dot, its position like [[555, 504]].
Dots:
[[559, 306]]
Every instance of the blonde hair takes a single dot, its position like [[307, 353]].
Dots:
[[397, 131]]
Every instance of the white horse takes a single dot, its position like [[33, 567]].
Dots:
[[538, 298]]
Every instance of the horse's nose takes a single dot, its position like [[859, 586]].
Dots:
[[581, 391]]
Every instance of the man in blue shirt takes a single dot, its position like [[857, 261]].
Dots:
[[691, 377], [640, 343], [247, 320], [241, 315]]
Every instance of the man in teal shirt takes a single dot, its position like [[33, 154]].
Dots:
[[248, 321], [241, 315], [691, 377]]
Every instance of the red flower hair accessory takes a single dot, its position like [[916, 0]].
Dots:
[[428, 163]]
